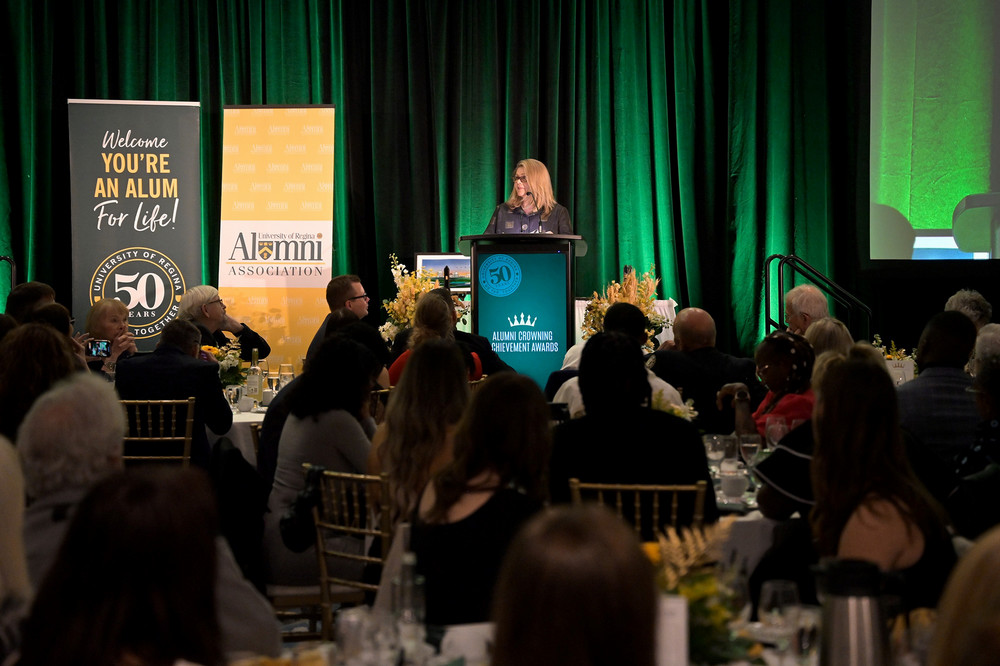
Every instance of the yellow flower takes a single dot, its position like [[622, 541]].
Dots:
[[652, 551], [214, 351]]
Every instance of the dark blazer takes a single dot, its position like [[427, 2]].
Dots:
[[507, 221], [467, 341], [699, 375], [644, 446], [170, 374], [249, 339]]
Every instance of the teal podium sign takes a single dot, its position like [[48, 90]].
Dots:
[[522, 297]]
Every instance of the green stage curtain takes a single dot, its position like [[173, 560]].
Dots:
[[692, 135]]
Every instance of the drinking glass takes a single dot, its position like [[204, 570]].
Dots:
[[779, 612], [730, 447], [807, 635], [286, 373], [733, 480], [749, 448], [775, 428], [714, 451], [234, 392], [272, 380]]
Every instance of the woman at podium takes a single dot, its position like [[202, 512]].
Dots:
[[531, 207]]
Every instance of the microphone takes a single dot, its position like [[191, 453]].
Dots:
[[529, 194]]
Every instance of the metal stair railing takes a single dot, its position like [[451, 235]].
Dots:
[[840, 295]]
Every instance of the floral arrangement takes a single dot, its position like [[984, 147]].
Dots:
[[686, 565], [639, 291], [892, 353], [230, 363], [409, 287], [685, 411]]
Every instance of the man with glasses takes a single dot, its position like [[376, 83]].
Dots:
[[343, 291]]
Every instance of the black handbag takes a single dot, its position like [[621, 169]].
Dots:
[[298, 528]]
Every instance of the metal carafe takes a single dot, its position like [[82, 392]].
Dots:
[[854, 629]]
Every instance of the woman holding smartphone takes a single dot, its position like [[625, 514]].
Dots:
[[108, 321]]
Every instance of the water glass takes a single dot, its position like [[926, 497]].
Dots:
[[714, 451], [775, 429], [234, 393], [749, 448], [779, 612], [734, 481]]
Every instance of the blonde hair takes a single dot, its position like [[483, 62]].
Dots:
[[974, 584], [98, 309], [538, 183], [829, 334], [194, 298]]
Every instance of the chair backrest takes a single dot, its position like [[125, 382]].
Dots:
[[255, 436], [377, 403], [159, 430], [347, 503], [644, 502]]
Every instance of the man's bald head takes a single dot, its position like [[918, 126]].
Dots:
[[693, 329]]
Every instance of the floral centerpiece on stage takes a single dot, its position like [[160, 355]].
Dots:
[[901, 365], [409, 287], [230, 363], [637, 290], [685, 561]]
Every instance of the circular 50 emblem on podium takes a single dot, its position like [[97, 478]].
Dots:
[[500, 275]]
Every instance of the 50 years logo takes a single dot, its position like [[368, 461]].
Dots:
[[500, 275], [147, 281]]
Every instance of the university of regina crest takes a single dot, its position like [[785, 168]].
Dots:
[[147, 281]]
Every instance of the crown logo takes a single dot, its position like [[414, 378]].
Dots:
[[523, 321]]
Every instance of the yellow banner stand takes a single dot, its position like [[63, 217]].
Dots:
[[276, 240]]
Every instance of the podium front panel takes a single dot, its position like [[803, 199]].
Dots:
[[522, 304]]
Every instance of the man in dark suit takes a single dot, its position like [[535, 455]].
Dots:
[[343, 291], [467, 341], [621, 441], [698, 370], [174, 372]]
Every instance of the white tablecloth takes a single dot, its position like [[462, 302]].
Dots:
[[240, 435]]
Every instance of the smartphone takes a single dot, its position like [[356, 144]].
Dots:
[[100, 348]]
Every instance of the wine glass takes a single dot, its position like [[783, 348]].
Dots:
[[779, 612], [774, 429], [233, 394], [749, 448]]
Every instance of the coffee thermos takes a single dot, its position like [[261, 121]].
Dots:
[[854, 628]]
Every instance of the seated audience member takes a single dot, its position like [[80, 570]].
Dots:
[[175, 372], [987, 345], [433, 319], [468, 342], [804, 304], [345, 293], [784, 364], [968, 621], [972, 304], [341, 323], [559, 598], [869, 504], [417, 438], [59, 318], [621, 439], [134, 579], [698, 370], [33, 357], [62, 461], [7, 324], [25, 297], [108, 320], [203, 306], [15, 590], [472, 509], [328, 425], [829, 334], [935, 405], [628, 320]]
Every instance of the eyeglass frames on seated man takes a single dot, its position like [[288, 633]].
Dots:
[[354, 298]]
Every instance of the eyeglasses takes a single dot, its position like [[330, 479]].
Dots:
[[218, 300], [354, 298], [520, 179]]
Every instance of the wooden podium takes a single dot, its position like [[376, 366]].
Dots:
[[523, 297]]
